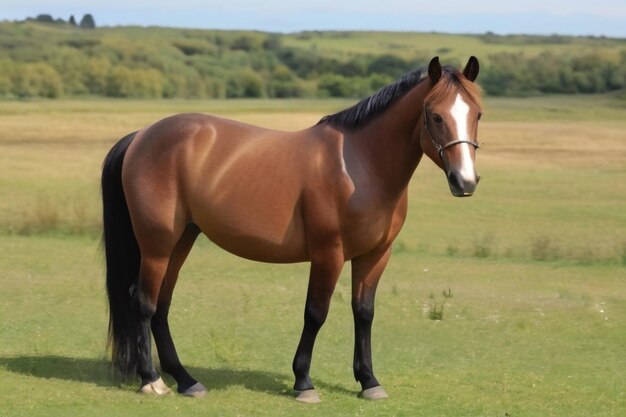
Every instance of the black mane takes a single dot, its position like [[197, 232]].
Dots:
[[368, 108], [371, 106]]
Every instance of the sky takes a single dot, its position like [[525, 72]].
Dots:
[[544, 17]]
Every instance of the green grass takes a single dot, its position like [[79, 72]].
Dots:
[[535, 261], [521, 338]]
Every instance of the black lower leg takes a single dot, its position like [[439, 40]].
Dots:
[[167, 352], [363, 368], [302, 360]]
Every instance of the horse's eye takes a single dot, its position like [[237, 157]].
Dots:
[[437, 119], [480, 115]]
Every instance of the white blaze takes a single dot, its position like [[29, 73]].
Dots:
[[460, 113]]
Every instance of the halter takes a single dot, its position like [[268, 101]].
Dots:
[[440, 148]]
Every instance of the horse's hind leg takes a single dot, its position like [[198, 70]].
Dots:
[[151, 274], [156, 245], [168, 357]]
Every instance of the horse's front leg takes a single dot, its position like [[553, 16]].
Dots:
[[325, 269], [366, 272]]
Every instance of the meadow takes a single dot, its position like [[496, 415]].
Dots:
[[535, 262]]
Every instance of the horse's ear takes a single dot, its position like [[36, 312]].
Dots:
[[471, 69], [434, 70]]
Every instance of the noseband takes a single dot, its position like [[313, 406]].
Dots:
[[440, 148]]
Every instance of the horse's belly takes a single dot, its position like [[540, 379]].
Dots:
[[257, 248], [251, 240], [255, 224]]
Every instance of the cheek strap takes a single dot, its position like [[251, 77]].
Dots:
[[440, 148]]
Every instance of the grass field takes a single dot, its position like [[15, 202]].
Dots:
[[409, 45], [535, 261]]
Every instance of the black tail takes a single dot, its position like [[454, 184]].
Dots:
[[122, 262]]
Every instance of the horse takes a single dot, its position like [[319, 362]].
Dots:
[[328, 194]]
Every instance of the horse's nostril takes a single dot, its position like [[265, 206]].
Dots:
[[454, 181], [477, 178]]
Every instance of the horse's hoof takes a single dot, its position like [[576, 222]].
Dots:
[[375, 393], [309, 396], [157, 388], [197, 390]]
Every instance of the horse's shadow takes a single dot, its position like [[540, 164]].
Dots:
[[99, 372]]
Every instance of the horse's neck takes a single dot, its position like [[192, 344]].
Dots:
[[389, 144]]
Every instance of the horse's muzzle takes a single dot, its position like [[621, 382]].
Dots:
[[460, 186]]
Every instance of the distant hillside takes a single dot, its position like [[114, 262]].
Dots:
[[53, 60]]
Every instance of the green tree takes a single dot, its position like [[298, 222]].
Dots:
[[545, 74], [305, 64], [331, 85], [216, 88], [134, 83], [245, 83], [6, 69], [96, 76], [247, 43], [273, 42], [44, 18], [37, 80], [389, 65], [88, 22], [71, 65], [119, 82], [505, 75]]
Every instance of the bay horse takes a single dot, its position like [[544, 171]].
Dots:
[[329, 194]]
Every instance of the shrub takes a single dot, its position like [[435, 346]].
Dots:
[[36, 80], [435, 311], [245, 83]]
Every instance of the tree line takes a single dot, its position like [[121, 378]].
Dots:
[[151, 63], [87, 22], [510, 74]]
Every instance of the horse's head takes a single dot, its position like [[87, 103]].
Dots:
[[450, 124]]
